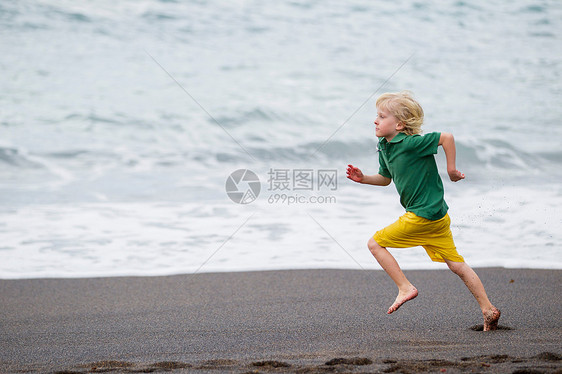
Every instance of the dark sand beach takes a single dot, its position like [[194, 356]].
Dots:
[[309, 321]]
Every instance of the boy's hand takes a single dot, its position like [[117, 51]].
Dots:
[[455, 175], [354, 174]]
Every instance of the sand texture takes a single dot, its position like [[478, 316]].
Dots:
[[309, 321]]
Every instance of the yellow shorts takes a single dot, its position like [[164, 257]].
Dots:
[[411, 231]]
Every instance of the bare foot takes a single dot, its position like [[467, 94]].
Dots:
[[491, 318], [402, 298]]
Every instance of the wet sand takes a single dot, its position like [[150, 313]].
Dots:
[[309, 321]]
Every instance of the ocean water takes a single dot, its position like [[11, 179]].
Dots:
[[120, 124]]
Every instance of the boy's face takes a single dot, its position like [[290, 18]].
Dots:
[[386, 125]]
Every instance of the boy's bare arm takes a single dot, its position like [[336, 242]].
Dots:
[[376, 180], [356, 175], [447, 141]]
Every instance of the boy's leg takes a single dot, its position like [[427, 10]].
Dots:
[[474, 284], [406, 290]]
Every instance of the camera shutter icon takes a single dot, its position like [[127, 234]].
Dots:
[[243, 186]]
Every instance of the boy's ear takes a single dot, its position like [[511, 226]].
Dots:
[[400, 126]]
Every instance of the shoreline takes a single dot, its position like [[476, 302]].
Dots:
[[284, 321], [439, 267]]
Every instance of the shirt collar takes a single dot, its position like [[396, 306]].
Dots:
[[397, 138]]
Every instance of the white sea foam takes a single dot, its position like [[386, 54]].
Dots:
[[504, 227]]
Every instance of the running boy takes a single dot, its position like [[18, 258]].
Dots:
[[407, 158]]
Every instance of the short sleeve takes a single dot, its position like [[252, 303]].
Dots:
[[383, 169], [427, 144]]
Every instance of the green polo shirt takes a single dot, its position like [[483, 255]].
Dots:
[[408, 160]]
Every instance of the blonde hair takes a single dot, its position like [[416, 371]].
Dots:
[[405, 108]]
